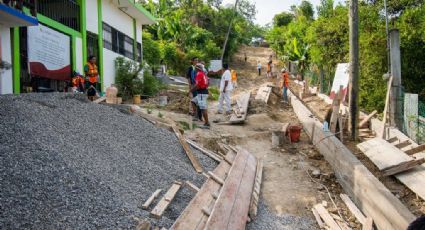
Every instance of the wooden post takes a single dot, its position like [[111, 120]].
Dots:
[[396, 118], [354, 69]]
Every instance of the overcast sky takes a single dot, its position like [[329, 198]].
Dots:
[[266, 9]]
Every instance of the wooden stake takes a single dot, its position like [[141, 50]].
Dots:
[[353, 208], [387, 101]]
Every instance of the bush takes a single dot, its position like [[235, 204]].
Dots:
[[127, 80]]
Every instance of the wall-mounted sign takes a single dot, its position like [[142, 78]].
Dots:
[[49, 53]]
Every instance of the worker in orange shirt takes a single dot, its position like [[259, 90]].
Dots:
[[234, 78], [284, 84], [91, 72], [77, 83]]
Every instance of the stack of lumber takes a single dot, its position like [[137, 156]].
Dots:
[[327, 220], [242, 105], [223, 202]]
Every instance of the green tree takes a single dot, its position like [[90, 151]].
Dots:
[[282, 19], [325, 9]]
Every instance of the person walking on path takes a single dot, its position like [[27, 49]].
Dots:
[[245, 57], [226, 88], [234, 78], [259, 67], [284, 84], [269, 66], [201, 88]]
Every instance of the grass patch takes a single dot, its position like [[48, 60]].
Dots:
[[214, 93], [186, 126]]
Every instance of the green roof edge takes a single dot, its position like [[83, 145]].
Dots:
[[143, 10]]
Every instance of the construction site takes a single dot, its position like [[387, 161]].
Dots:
[[124, 166], [118, 143]]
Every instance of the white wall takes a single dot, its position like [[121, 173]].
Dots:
[[79, 53], [116, 18], [108, 67], [6, 77], [139, 32], [91, 16]]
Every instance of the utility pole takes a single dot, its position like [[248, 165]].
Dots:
[[354, 69], [228, 31]]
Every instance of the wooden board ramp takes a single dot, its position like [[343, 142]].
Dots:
[[192, 216], [224, 206], [242, 103], [387, 157], [193, 159], [367, 192], [166, 200], [232, 206]]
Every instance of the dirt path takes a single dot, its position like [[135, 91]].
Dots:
[[287, 188]]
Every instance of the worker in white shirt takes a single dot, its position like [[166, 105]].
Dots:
[[226, 88]]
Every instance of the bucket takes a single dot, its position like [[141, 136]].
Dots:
[[294, 133], [136, 99], [163, 100]]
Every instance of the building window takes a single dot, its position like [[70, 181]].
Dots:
[[139, 52], [66, 12], [117, 41]]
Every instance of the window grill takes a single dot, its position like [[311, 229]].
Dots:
[[66, 12]]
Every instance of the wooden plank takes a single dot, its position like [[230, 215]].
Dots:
[[231, 208], [166, 200], [383, 154], [207, 152], [149, 201], [387, 101], [193, 159], [215, 178], [192, 186], [353, 208], [192, 216], [100, 99], [335, 110], [417, 149], [404, 166], [367, 192], [243, 103], [368, 225], [327, 218], [239, 216], [367, 119], [318, 219], [403, 144], [263, 93], [253, 207]]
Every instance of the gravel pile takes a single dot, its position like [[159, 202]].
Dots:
[[266, 220], [68, 163]]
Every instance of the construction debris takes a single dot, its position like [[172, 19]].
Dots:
[[367, 222], [207, 152], [193, 159], [242, 104]]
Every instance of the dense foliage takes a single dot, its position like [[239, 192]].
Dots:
[[322, 42], [190, 28]]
